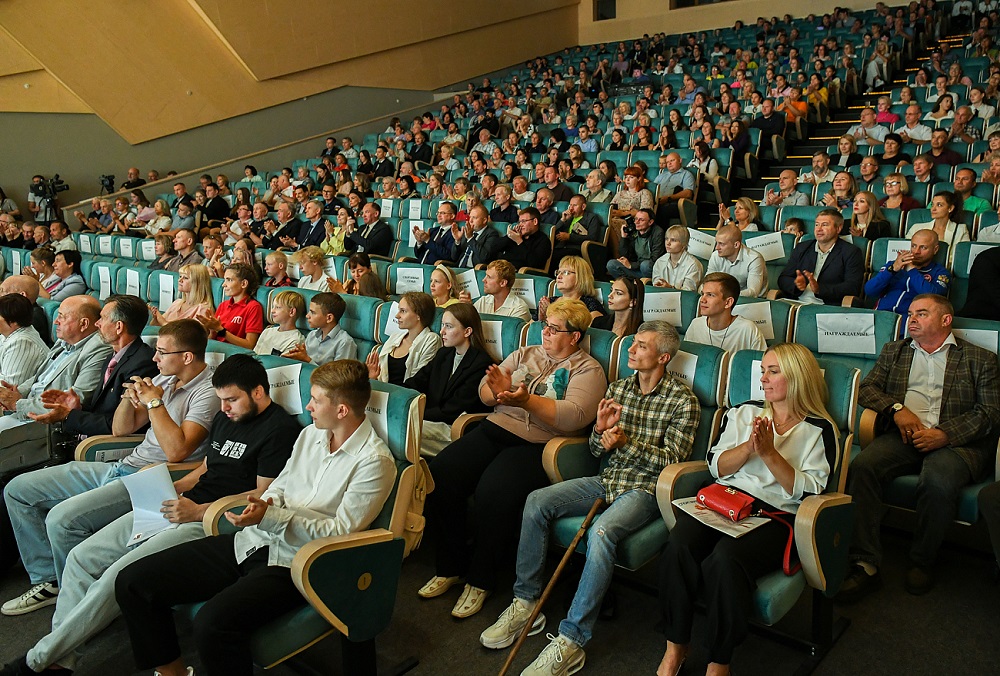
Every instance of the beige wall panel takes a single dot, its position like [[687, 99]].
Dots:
[[336, 36], [636, 17], [37, 92], [181, 76], [15, 58]]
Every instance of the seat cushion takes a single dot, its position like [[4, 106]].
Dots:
[[902, 492], [634, 552], [775, 595]]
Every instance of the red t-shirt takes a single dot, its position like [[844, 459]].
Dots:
[[241, 318]]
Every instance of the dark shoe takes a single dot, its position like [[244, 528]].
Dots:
[[858, 584], [20, 667], [919, 581]]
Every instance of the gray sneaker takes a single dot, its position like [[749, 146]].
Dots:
[[39, 596], [509, 626], [561, 657]]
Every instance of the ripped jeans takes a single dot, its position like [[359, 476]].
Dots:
[[627, 514]]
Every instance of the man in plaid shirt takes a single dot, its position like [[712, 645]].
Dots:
[[645, 421]]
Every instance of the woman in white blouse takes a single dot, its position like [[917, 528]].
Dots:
[[778, 452], [406, 352], [944, 208]]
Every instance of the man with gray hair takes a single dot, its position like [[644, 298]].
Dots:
[[646, 421]]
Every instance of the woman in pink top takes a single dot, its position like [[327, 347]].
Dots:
[[195, 288]]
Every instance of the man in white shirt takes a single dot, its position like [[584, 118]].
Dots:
[[743, 263], [677, 269], [521, 191], [983, 110], [335, 483], [913, 130], [717, 325], [497, 298], [786, 195], [821, 172], [867, 132]]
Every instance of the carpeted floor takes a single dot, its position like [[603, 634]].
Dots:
[[950, 630]]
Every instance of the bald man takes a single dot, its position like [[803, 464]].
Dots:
[[786, 195], [910, 274], [743, 263]]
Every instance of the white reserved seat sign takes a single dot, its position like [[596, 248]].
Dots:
[[845, 333], [769, 246], [86, 247], [701, 244], [665, 305], [467, 281], [413, 209], [493, 333], [147, 249], [759, 314], [409, 279], [756, 389], [412, 238], [131, 282], [376, 412], [984, 338], [166, 292], [892, 249], [125, 246], [684, 365], [385, 208], [15, 263], [284, 381], [391, 323], [525, 290], [105, 245], [104, 276], [974, 251], [330, 267]]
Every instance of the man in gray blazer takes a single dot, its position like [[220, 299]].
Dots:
[[576, 227], [74, 361]]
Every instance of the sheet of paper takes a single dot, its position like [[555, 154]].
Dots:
[[213, 359], [412, 239], [984, 338], [717, 521], [147, 249], [701, 244], [684, 365], [391, 324], [845, 333], [413, 209], [104, 278], [85, 244], [974, 251], [378, 415], [525, 290], [893, 247], [665, 305], [409, 279], [16, 263], [105, 245], [759, 314], [467, 281], [756, 389], [385, 208], [330, 265], [148, 490], [769, 246], [293, 270], [166, 292], [284, 381], [493, 332], [125, 246], [131, 282]]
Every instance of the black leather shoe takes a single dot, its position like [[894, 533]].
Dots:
[[919, 581], [19, 667], [858, 584]]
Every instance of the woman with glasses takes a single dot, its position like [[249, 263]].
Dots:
[[538, 392], [897, 196], [866, 218], [574, 280], [195, 287]]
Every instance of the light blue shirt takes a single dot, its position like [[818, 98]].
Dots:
[[337, 344]]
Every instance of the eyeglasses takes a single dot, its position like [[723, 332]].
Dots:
[[552, 328], [559, 273], [892, 183], [164, 354]]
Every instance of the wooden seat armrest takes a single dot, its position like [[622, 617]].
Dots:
[[671, 484], [216, 511], [129, 441], [538, 272], [866, 426], [774, 294], [561, 447], [823, 527], [462, 422]]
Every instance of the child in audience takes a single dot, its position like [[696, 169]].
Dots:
[[276, 269], [795, 226], [311, 273], [286, 308], [239, 320], [327, 341]]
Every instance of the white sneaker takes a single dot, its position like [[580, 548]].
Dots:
[[561, 657], [509, 626], [190, 672], [39, 596]]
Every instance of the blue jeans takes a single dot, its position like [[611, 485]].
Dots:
[[54, 509], [627, 514], [616, 270]]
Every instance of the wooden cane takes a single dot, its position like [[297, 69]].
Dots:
[[598, 503]]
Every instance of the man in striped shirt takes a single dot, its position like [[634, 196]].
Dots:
[[645, 421], [22, 352]]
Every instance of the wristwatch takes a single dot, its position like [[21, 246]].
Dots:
[[895, 408], [220, 333], [154, 403]]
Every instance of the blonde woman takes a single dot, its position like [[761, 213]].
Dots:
[[161, 222], [574, 281], [333, 242], [195, 287], [444, 286], [867, 219], [777, 453], [842, 192], [745, 215]]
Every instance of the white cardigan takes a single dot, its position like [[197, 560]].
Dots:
[[422, 351]]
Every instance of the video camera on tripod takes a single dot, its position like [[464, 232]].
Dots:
[[46, 191]]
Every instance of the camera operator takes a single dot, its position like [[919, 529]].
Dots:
[[641, 243], [42, 198]]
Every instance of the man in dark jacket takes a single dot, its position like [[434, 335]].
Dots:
[[826, 269]]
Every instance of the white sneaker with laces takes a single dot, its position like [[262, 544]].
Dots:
[[39, 596], [190, 672], [509, 626], [561, 657]]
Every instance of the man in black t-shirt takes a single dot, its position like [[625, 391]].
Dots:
[[251, 440]]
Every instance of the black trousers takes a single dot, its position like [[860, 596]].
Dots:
[[989, 507], [500, 469], [237, 596], [699, 557]]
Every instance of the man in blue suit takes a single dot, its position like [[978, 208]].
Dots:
[[826, 269]]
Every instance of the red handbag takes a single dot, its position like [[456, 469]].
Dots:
[[731, 503], [736, 505]]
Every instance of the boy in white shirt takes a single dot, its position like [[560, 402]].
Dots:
[[717, 325], [677, 269], [286, 308]]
